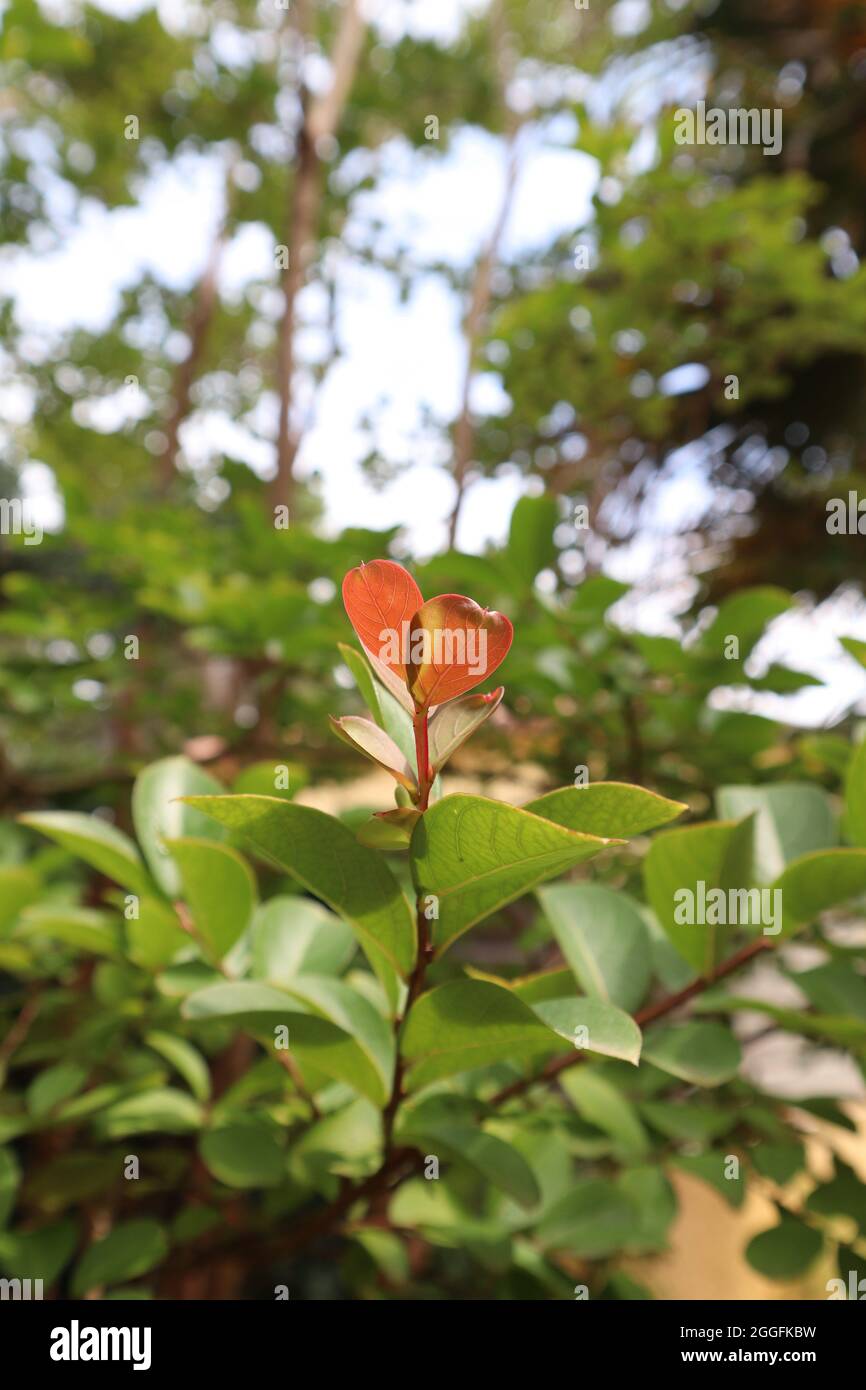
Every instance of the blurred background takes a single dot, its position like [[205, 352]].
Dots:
[[289, 286]]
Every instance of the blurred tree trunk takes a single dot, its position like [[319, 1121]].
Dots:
[[479, 303], [319, 120]]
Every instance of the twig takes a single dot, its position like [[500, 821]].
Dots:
[[651, 1014]]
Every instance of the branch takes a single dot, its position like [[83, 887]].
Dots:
[[398, 1164], [197, 331], [319, 119], [642, 1018], [479, 304]]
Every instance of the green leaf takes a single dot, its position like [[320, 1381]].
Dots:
[[781, 1162], [601, 1103], [54, 1085], [324, 856], [476, 855], [466, 1024], [456, 721], [313, 1038], [716, 855], [818, 881], [843, 1195], [472, 1023], [85, 928], [128, 1251], [219, 889], [594, 1219], [375, 744], [39, 1254], [791, 818], [835, 988], [10, 1178], [706, 1054], [531, 547], [18, 888], [159, 815], [786, 1250], [604, 939], [162, 1109], [712, 1169], [592, 1025], [609, 809], [343, 1006], [855, 796], [155, 936], [291, 936], [855, 648], [655, 1206], [743, 615], [95, 841], [496, 1162], [244, 1155], [694, 1124], [186, 1060], [363, 679]]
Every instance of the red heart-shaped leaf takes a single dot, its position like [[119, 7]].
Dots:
[[381, 597], [454, 646]]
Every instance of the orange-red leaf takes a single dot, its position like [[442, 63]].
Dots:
[[455, 645], [380, 597]]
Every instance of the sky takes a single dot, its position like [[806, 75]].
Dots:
[[403, 358]]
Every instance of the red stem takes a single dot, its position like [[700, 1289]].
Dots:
[[422, 755]]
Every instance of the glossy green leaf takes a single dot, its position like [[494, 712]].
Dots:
[[791, 819], [159, 815], [592, 1025], [476, 855], [376, 745], [496, 1162], [95, 841], [186, 1060], [819, 881], [472, 1023], [704, 1053], [313, 1038], [219, 888], [324, 856], [610, 809], [244, 1155], [601, 1103], [456, 721], [604, 939], [291, 936], [86, 928], [467, 1024], [363, 678], [716, 855], [154, 936], [161, 1110]]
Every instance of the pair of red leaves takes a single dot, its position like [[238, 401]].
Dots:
[[436, 649]]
